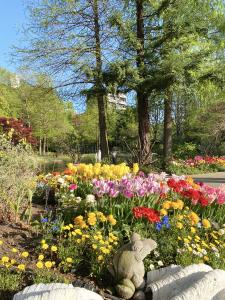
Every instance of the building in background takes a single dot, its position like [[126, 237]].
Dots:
[[119, 101], [15, 81]]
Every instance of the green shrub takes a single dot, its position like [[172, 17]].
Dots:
[[186, 150], [10, 283], [17, 179]]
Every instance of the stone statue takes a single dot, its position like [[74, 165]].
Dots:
[[128, 267]]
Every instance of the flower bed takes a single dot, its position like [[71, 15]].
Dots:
[[98, 207], [198, 165]]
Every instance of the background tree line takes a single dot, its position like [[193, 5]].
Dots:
[[169, 52]]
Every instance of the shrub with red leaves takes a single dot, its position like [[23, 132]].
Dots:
[[20, 131], [150, 214]]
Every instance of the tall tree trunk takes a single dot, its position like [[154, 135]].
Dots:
[[99, 85], [44, 145], [142, 97], [40, 146], [168, 126]]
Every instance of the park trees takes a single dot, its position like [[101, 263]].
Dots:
[[70, 39], [170, 47], [93, 47], [48, 115], [9, 98], [35, 104]]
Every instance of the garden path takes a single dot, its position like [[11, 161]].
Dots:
[[214, 179]]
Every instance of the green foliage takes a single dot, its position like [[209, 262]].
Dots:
[[10, 283], [46, 276], [17, 179], [186, 151]]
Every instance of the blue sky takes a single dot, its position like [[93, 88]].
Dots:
[[12, 16]]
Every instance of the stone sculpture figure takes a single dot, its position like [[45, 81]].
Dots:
[[128, 267]]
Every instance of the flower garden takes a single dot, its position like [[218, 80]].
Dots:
[[92, 210], [198, 164]]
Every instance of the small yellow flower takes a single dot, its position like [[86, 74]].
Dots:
[[175, 205], [43, 241], [78, 231], [135, 168], [193, 218], [94, 246], [186, 241], [69, 260], [163, 212], [14, 250], [13, 261], [100, 258], [197, 238], [179, 225], [8, 265], [5, 259], [78, 241], [41, 257], [193, 230], [25, 254], [39, 265], [166, 205], [206, 223], [180, 217], [111, 220], [104, 250], [206, 258], [21, 267], [180, 204], [45, 246], [48, 264], [54, 248], [190, 249]]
